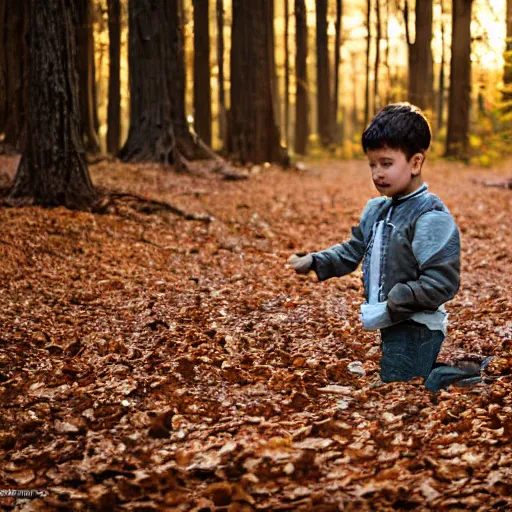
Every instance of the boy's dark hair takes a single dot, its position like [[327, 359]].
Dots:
[[398, 126]]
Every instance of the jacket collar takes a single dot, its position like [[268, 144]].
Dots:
[[416, 193]]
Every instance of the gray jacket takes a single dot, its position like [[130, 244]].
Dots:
[[420, 254]]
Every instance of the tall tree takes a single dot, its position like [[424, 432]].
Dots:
[[337, 59], [367, 74], [460, 81], [13, 69], [301, 79], [286, 71], [254, 131], [219, 10], [53, 169], [421, 76], [507, 70], [202, 89], [440, 96], [114, 81], [86, 77], [376, 99], [323, 81], [158, 126]]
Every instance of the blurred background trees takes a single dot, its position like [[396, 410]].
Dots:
[[264, 82]]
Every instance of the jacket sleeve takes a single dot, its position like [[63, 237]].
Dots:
[[436, 245], [343, 258]]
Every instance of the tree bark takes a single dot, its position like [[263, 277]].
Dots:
[[220, 63], [114, 81], [85, 67], [158, 126], [421, 77], [53, 169], [254, 132], [337, 58], [286, 72], [202, 89], [507, 70], [13, 67], [367, 77], [323, 80], [301, 79], [460, 81], [376, 99], [440, 98]]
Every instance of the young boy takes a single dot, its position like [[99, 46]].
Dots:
[[408, 243]]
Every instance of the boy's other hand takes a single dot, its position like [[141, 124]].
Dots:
[[301, 263]]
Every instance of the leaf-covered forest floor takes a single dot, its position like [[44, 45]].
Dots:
[[148, 362]]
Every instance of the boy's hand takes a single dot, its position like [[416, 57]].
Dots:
[[301, 264]]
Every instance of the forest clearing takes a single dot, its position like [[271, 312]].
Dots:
[[150, 362]]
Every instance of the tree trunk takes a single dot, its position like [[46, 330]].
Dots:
[[286, 73], [13, 64], [367, 77], [202, 89], [323, 80], [386, 58], [85, 66], [53, 170], [254, 132], [460, 81], [220, 63], [114, 82], [301, 79], [440, 100], [337, 58], [421, 78], [376, 99], [158, 126], [507, 70]]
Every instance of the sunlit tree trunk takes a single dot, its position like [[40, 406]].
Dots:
[[13, 69], [158, 126], [460, 81], [323, 80], [254, 131], [386, 57], [301, 79], [367, 75], [421, 78], [376, 99], [202, 89], [85, 65], [114, 83], [53, 170], [507, 70], [440, 98], [219, 10], [286, 72], [337, 58]]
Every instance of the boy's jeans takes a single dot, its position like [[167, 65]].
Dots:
[[409, 350]]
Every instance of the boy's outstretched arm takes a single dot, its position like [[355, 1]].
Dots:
[[436, 245]]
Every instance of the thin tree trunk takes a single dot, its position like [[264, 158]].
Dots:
[[254, 132], [301, 79], [337, 58], [386, 58], [286, 73], [114, 82], [202, 89], [507, 70], [376, 99], [3, 68], [220, 63], [323, 81], [367, 78], [440, 108], [85, 66], [53, 170], [14, 59], [460, 81]]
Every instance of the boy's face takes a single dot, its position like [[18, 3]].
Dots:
[[392, 174]]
